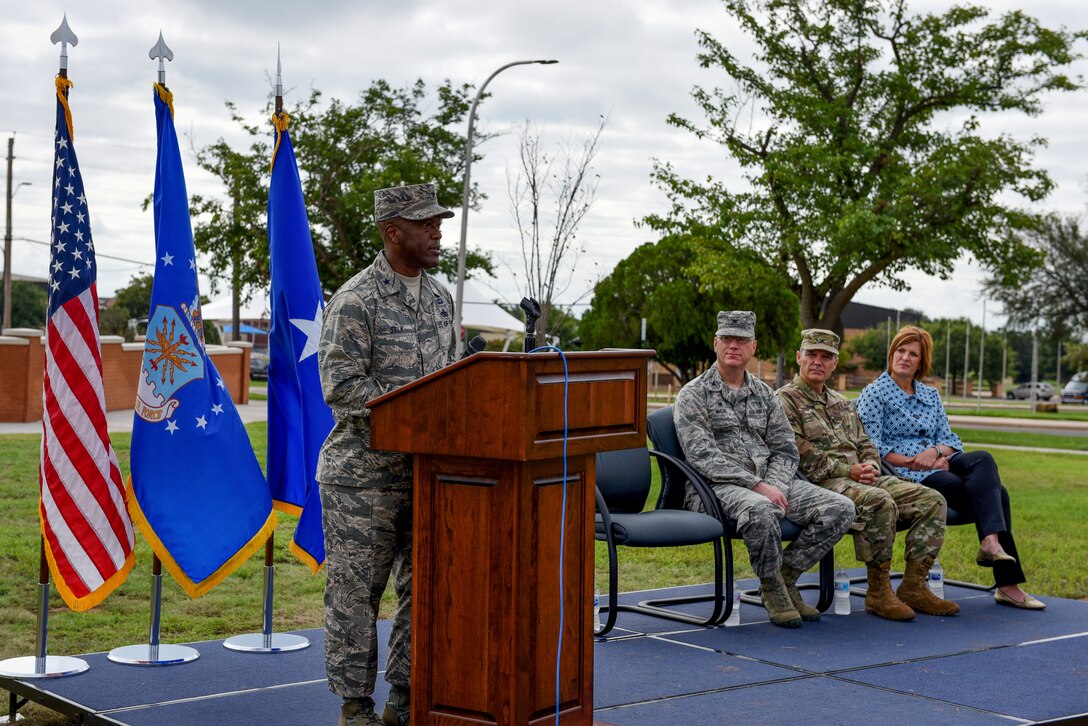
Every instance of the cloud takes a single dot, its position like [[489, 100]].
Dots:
[[634, 61]]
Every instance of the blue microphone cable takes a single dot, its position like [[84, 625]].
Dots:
[[562, 519]]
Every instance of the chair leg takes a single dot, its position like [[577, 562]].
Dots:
[[613, 607], [722, 596]]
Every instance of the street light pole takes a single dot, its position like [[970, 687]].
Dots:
[[459, 298], [7, 242]]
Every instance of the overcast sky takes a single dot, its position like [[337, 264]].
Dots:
[[631, 60]]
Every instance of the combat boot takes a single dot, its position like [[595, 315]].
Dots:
[[398, 708], [880, 600], [777, 601], [914, 590], [789, 578], [359, 712]]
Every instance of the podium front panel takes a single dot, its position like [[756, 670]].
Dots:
[[486, 607]]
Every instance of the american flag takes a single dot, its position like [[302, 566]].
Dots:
[[85, 522]]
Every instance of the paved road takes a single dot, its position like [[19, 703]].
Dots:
[[121, 421], [1026, 425]]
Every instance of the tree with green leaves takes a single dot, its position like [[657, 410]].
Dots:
[[345, 150], [857, 128], [1076, 357], [233, 233], [952, 341], [28, 304], [658, 282], [1055, 293]]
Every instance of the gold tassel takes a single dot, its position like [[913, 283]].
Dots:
[[281, 121], [166, 97], [63, 84]]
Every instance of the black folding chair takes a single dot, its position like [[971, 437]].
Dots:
[[676, 473], [623, 487]]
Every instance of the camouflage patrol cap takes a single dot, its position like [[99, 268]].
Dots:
[[414, 202], [820, 339], [739, 323]]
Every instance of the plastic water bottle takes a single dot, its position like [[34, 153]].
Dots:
[[936, 579], [842, 593], [596, 608], [734, 616]]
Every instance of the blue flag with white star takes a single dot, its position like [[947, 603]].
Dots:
[[298, 417], [200, 498]]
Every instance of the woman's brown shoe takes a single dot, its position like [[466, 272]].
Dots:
[[1028, 603]]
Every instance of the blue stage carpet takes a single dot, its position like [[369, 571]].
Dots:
[[987, 665]]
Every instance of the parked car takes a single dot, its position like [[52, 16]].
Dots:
[[1043, 391], [258, 367], [1075, 392]]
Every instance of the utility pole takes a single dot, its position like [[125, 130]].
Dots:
[[966, 356], [7, 242], [981, 355], [235, 264]]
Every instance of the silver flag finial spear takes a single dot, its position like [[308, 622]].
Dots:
[[279, 81], [161, 51], [64, 36]]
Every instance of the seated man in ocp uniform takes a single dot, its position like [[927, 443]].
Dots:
[[734, 433], [838, 455]]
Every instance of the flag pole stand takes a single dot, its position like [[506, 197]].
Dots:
[[154, 653], [41, 665], [266, 641]]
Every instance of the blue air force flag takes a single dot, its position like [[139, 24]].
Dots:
[[298, 417], [200, 498]]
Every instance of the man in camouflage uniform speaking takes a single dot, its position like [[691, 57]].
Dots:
[[837, 454], [734, 433], [388, 325]]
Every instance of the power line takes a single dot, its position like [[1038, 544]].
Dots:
[[96, 254]]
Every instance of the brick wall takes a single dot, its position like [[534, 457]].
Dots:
[[22, 358]]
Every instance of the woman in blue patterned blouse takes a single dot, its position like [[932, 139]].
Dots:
[[906, 420]]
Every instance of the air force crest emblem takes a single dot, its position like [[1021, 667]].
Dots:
[[171, 359]]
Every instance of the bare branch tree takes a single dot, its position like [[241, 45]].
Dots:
[[549, 197]]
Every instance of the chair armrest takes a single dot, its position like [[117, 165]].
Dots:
[[705, 492]]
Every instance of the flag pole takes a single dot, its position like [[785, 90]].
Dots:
[[266, 641], [154, 653], [42, 665]]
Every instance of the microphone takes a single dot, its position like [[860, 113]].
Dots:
[[474, 346], [532, 313]]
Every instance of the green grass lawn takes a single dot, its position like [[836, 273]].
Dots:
[[231, 608], [1022, 438]]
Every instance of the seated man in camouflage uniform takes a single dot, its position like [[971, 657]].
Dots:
[[837, 454], [734, 433], [385, 327]]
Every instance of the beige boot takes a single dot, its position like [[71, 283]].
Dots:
[[914, 590], [777, 601], [789, 578], [880, 600]]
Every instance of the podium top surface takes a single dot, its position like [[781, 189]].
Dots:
[[511, 406]]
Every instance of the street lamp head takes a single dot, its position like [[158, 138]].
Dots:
[[19, 186], [545, 62]]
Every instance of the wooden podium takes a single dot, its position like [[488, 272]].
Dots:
[[487, 435]]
